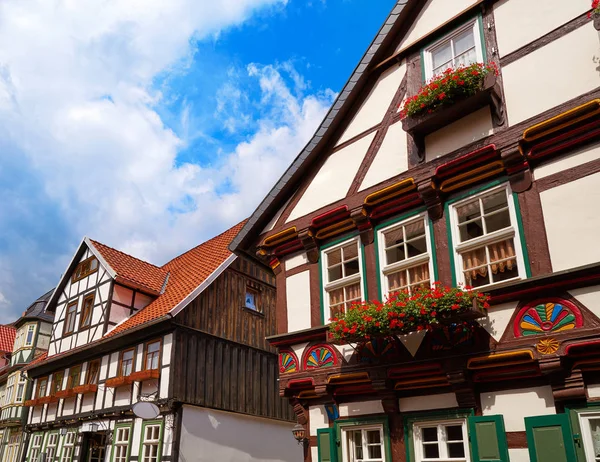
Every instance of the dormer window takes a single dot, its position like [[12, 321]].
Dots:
[[85, 268], [461, 47], [86, 311], [29, 336], [70, 315]]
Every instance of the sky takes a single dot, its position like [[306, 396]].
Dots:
[[152, 126]]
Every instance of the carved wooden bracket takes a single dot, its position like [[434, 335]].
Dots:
[[433, 201], [390, 404], [569, 388], [300, 411], [310, 245], [517, 167], [551, 365], [462, 388], [362, 222]]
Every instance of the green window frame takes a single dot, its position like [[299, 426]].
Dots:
[[142, 457], [322, 262], [578, 433], [67, 450], [117, 443], [518, 227], [55, 446], [326, 445], [544, 423], [488, 438], [33, 447], [380, 245], [357, 423]]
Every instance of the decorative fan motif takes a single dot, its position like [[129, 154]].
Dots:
[[287, 362], [376, 349], [449, 337], [547, 346], [548, 317], [320, 356]]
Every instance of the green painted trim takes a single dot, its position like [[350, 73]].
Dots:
[[347, 237], [160, 438], [500, 435], [31, 445], [554, 420], [332, 444], [62, 446], [522, 235], [361, 421], [114, 438]]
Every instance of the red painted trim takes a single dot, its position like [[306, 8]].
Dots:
[[460, 164], [586, 132], [389, 208], [299, 339], [425, 368], [543, 301], [574, 346], [511, 372], [356, 390], [330, 216], [288, 247], [308, 351], [518, 168], [290, 352], [301, 383]]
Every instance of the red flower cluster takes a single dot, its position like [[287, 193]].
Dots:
[[448, 87], [595, 8], [404, 312]]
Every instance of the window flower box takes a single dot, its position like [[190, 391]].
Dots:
[[117, 382], [141, 376], [85, 389], [64, 394], [30, 403], [44, 400], [425, 309], [595, 14]]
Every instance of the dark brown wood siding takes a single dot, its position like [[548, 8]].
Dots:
[[225, 375], [219, 310]]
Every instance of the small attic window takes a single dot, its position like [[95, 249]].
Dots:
[[85, 268], [252, 299]]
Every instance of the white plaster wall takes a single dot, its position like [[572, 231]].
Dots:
[[498, 317], [317, 419], [87, 403], [334, 179], [572, 222], [271, 224], [295, 261], [360, 408], [589, 297], [206, 436], [412, 341], [517, 404], [165, 376], [529, 87], [518, 455], [298, 301], [166, 351], [346, 350], [470, 128], [519, 22], [579, 157], [376, 104], [391, 159], [113, 365], [433, 15], [593, 391], [314, 452], [428, 402], [298, 349]]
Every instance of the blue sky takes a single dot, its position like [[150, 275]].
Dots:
[[151, 125]]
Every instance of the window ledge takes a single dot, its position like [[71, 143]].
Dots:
[[84, 389], [254, 312], [141, 376]]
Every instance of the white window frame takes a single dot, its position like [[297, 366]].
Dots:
[[385, 269], [418, 446], [30, 328], [68, 447], [428, 52], [36, 445], [586, 434], [328, 286], [51, 444], [120, 444], [20, 388], [148, 443], [496, 236], [348, 456], [11, 389], [12, 447]]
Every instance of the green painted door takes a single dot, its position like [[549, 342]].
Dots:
[[549, 438]]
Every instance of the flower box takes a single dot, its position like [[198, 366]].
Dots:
[[30, 403], [64, 394], [44, 400], [141, 376], [84, 389], [117, 382], [596, 19]]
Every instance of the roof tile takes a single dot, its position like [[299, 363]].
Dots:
[[7, 338]]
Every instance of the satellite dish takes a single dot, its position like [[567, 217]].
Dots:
[[145, 410]]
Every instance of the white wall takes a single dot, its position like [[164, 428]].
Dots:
[[470, 128], [297, 293], [588, 297], [572, 222], [497, 319], [317, 418], [428, 402], [295, 261], [578, 157], [517, 404], [391, 159], [519, 22], [536, 82], [209, 436], [375, 105], [334, 179], [360, 408]]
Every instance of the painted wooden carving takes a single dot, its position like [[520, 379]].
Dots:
[[287, 362], [448, 337], [376, 349], [547, 346], [319, 356], [542, 317]]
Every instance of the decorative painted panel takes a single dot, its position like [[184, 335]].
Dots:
[[547, 316], [319, 356], [376, 350], [288, 362]]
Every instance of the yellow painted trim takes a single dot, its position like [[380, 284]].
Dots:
[[306, 394], [563, 120], [498, 359], [436, 378], [339, 379], [335, 229], [472, 176], [391, 191], [280, 237]]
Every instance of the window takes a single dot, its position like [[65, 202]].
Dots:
[[68, 447], [22, 383], [57, 381], [30, 334], [121, 444], [85, 268], [51, 447], [12, 448], [365, 444], [36, 446], [486, 239], [93, 370], [42, 387], [10, 388], [441, 441], [70, 318], [404, 253], [590, 430], [151, 442], [152, 355], [252, 298], [126, 363], [461, 47], [342, 277], [74, 377], [86, 311]]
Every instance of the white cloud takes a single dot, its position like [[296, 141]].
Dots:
[[78, 108]]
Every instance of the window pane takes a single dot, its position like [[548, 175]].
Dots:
[[128, 355], [468, 212], [456, 450], [431, 451], [498, 220], [395, 254], [595, 431], [468, 57], [417, 247], [454, 433], [471, 230], [375, 452], [464, 41], [334, 257], [335, 273], [351, 267], [373, 437], [441, 55], [393, 237], [397, 280], [430, 434], [350, 251]]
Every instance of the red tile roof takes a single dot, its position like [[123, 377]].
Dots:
[[38, 359], [131, 270], [7, 338]]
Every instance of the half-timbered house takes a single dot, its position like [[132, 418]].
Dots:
[[31, 336], [187, 339], [497, 189]]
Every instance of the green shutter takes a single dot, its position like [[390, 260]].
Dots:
[[488, 439], [549, 438], [327, 445]]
